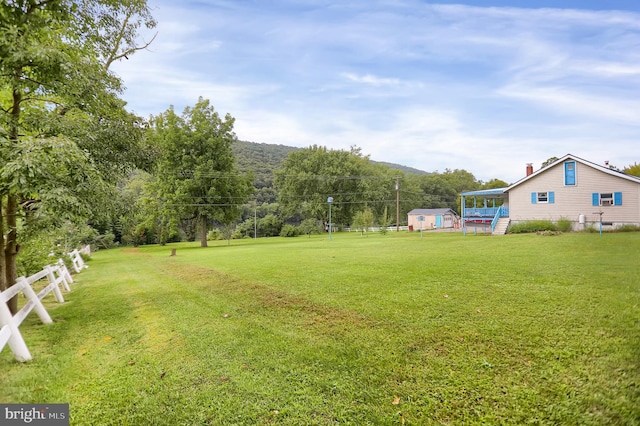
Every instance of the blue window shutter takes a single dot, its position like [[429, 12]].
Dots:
[[617, 198], [534, 197], [552, 197], [595, 199]]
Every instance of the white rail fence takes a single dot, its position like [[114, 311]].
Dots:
[[58, 276], [76, 258]]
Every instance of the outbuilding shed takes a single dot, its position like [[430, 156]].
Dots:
[[432, 219]]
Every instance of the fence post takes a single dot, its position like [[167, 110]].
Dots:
[[38, 307], [15, 342], [65, 273], [52, 280]]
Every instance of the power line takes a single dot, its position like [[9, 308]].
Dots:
[[215, 175]]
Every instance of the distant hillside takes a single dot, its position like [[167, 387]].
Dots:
[[406, 169], [262, 159]]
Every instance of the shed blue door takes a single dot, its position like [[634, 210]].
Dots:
[[438, 221]]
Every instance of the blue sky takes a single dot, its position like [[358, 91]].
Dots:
[[485, 86]]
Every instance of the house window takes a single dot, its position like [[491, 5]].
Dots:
[[606, 198], [543, 197], [570, 173]]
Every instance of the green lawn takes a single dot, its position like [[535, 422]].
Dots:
[[444, 329]]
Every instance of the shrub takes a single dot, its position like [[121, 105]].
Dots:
[[628, 228], [564, 225], [531, 226], [269, 226], [105, 241], [289, 231], [310, 226], [213, 235]]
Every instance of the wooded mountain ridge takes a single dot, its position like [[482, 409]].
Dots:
[[263, 159]]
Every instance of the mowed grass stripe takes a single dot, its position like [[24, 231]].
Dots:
[[306, 331]]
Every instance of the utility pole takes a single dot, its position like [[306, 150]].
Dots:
[[397, 204]]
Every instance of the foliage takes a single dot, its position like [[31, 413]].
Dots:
[[140, 220], [309, 176], [494, 183], [246, 229], [227, 231], [213, 235], [196, 175], [385, 221], [353, 333], [65, 136], [564, 225], [632, 169], [628, 228], [261, 160], [310, 226], [289, 231], [438, 192], [362, 221], [44, 244], [549, 161], [269, 226], [531, 226]]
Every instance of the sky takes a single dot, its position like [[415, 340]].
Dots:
[[480, 85]]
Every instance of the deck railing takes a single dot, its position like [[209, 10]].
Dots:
[[497, 216]]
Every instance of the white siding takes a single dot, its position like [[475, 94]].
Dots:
[[571, 201]]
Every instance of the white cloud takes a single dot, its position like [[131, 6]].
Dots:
[[429, 86], [371, 79]]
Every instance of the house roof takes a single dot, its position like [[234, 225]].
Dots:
[[603, 169], [429, 212]]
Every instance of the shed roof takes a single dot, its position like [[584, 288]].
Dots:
[[432, 212]]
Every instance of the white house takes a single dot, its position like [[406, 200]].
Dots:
[[569, 188]]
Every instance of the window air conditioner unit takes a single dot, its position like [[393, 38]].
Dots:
[[606, 202]]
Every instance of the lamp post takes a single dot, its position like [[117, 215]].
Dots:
[[330, 200]]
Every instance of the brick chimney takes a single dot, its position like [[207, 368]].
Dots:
[[529, 168]]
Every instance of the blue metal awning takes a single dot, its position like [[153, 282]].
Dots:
[[484, 192]]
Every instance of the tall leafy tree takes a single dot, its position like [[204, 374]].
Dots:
[[196, 174], [308, 177], [61, 120]]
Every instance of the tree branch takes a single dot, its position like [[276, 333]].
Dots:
[[114, 56]]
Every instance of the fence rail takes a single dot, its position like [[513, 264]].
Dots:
[[76, 258], [57, 276]]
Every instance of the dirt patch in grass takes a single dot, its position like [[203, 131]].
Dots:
[[158, 335], [261, 297]]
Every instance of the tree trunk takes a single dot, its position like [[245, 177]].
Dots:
[[10, 244], [10, 250], [3, 276], [203, 231]]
